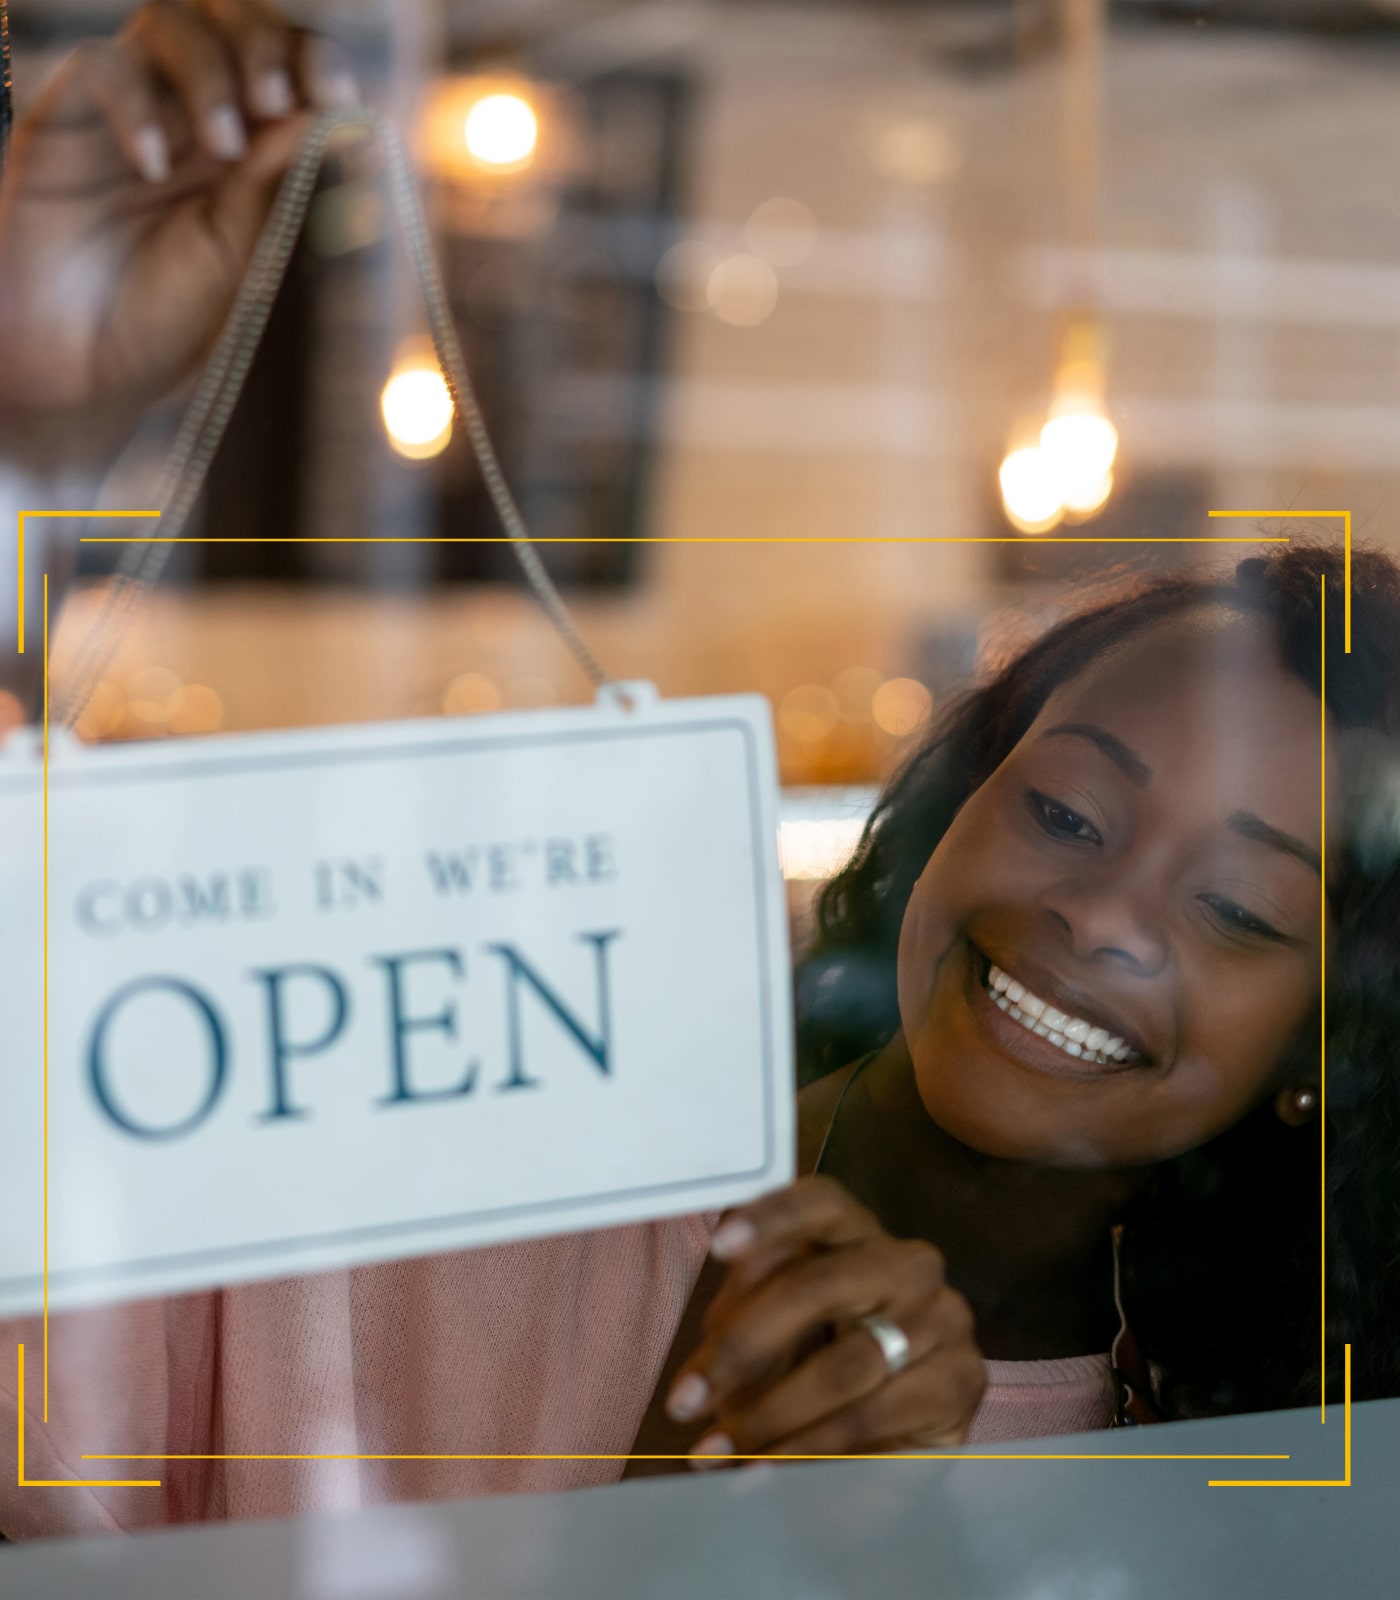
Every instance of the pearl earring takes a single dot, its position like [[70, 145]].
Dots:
[[1305, 1101]]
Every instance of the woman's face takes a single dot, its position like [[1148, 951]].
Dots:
[[1142, 871]]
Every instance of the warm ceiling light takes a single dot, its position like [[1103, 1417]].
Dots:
[[502, 131], [1088, 497], [1081, 444], [1030, 490], [417, 406]]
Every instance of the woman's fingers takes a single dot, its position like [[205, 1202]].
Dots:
[[812, 1211], [842, 1379], [927, 1406], [765, 1235], [284, 69], [231, 66], [183, 77], [833, 1378], [326, 78], [768, 1327], [109, 79], [198, 64], [763, 1241], [263, 46], [803, 1262], [742, 1278], [187, 98]]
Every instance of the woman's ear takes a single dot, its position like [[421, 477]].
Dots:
[[1296, 1105]]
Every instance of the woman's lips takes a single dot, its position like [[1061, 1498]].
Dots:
[[1025, 1047]]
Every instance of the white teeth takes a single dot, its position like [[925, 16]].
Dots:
[[1073, 1035]]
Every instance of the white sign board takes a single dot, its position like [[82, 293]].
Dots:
[[329, 997]]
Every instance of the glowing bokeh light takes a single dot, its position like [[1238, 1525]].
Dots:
[[103, 714], [743, 291], [915, 151], [901, 705], [808, 713], [196, 708], [1088, 497], [470, 694], [1081, 444], [1030, 489], [417, 407], [502, 131], [683, 275]]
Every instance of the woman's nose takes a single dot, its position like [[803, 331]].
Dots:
[[1108, 919]]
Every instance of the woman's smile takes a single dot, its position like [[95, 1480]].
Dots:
[[1051, 1039], [1081, 1023]]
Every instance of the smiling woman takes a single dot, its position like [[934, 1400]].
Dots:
[[1085, 925], [1116, 864]]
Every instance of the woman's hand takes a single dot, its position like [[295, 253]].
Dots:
[[786, 1367], [134, 194]]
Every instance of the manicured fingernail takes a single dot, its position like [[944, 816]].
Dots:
[[689, 1398], [732, 1239], [713, 1444], [273, 94], [226, 136], [153, 154]]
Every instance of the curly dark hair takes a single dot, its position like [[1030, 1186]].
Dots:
[[1221, 1252]]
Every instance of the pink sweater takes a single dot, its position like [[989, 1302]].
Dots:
[[548, 1347]]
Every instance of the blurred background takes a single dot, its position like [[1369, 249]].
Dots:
[[1034, 271]]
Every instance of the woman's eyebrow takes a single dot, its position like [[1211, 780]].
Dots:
[[1252, 827], [1245, 823], [1114, 748]]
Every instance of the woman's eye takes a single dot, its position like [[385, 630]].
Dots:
[[1236, 918], [1061, 822]]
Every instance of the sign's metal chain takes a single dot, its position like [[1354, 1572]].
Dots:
[[454, 368], [202, 427]]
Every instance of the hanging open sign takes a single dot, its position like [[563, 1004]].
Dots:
[[323, 998]]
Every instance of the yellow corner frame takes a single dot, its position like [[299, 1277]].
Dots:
[[1214, 1483]]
